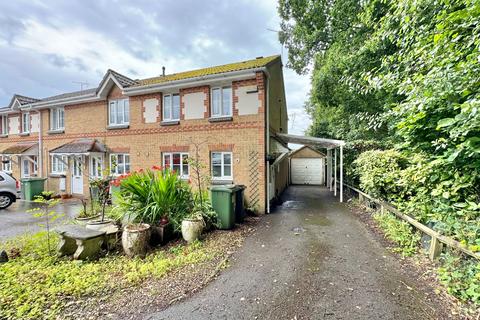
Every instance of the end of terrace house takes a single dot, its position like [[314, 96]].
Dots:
[[233, 111]]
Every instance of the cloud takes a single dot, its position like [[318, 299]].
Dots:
[[46, 46]]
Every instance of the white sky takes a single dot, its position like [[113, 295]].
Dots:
[[46, 46]]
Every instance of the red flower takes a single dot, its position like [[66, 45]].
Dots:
[[158, 168], [140, 171]]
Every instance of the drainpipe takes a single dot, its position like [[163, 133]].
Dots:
[[267, 133]]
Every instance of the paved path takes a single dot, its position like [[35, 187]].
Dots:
[[311, 259], [15, 220]]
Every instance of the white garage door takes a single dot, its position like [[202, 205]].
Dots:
[[307, 171]]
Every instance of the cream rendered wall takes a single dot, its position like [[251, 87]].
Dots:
[[194, 107], [248, 103], [35, 122], [151, 111], [13, 125]]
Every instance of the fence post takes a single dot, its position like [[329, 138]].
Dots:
[[382, 209], [435, 248]]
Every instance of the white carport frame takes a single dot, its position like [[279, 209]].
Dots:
[[330, 145]]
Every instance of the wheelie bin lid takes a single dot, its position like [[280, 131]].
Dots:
[[222, 188]]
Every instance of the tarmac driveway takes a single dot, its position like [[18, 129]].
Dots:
[[310, 259], [15, 220]]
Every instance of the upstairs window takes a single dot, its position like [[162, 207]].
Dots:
[[120, 163], [118, 112], [59, 164], [178, 162], [171, 107], [222, 102], [57, 116], [25, 122], [4, 125], [222, 165]]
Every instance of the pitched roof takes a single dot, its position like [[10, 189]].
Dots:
[[19, 148], [124, 80], [80, 146], [70, 94], [237, 66]]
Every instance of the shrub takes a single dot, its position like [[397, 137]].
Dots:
[[147, 196]]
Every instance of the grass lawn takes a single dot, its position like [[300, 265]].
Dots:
[[36, 285]]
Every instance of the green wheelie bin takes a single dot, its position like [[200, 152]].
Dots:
[[239, 202], [32, 187], [223, 202]]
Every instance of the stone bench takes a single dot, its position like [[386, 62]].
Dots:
[[83, 243]]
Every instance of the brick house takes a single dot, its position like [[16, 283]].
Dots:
[[234, 111]]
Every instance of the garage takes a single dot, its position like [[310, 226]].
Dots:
[[307, 166]]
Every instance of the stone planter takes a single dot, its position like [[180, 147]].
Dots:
[[135, 239], [99, 224], [192, 229], [85, 220]]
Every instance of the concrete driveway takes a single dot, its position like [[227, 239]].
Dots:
[[15, 220], [311, 259]]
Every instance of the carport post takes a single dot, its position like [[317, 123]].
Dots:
[[341, 173], [329, 169], [335, 174]]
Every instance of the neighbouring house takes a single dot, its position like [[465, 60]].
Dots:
[[235, 112]]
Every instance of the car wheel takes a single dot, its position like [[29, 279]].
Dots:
[[5, 200]]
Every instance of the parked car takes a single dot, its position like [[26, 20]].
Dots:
[[9, 189]]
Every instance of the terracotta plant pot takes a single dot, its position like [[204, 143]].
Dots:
[[135, 239], [192, 229]]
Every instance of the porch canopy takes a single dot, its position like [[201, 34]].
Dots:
[[22, 149], [329, 144], [80, 147]]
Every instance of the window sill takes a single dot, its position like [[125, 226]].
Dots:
[[118, 126], [222, 181], [4, 136], [24, 134], [170, 123], [57, 131], [220, 119], [57, 175]]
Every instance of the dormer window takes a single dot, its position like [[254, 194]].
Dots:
[[57, 119], [221, 102], [118, 112], [171, 107], [25, 122]]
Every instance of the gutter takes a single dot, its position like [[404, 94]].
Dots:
[[231, 75]]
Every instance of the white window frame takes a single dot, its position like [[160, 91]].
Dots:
[[96, 169], [25, 122], [230, 109], [59, 124], [122, 104], [4, 125], [170, 107], [223, 176], [59, 164], [7, 167], [170, 155], [115, 169]]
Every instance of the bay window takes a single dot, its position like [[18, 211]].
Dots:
[[221, 165], [59, 164], [222, 102], [118, 112], [178, 162]]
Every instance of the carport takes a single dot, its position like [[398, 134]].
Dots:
[[334, 155]]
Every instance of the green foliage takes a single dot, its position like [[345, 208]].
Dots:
[[398, 231], [461, 277], [35, 285], [147, 196]]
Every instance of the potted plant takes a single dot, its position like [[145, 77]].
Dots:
[[192, 226], [86, 214], [135, 238], [102, 185]]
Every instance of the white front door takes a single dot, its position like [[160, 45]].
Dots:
[[25, 168], [77, 175], [307, 171]]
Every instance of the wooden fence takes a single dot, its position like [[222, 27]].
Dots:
[[437, 240]]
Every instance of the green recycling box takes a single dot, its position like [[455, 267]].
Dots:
[[32, 187]]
